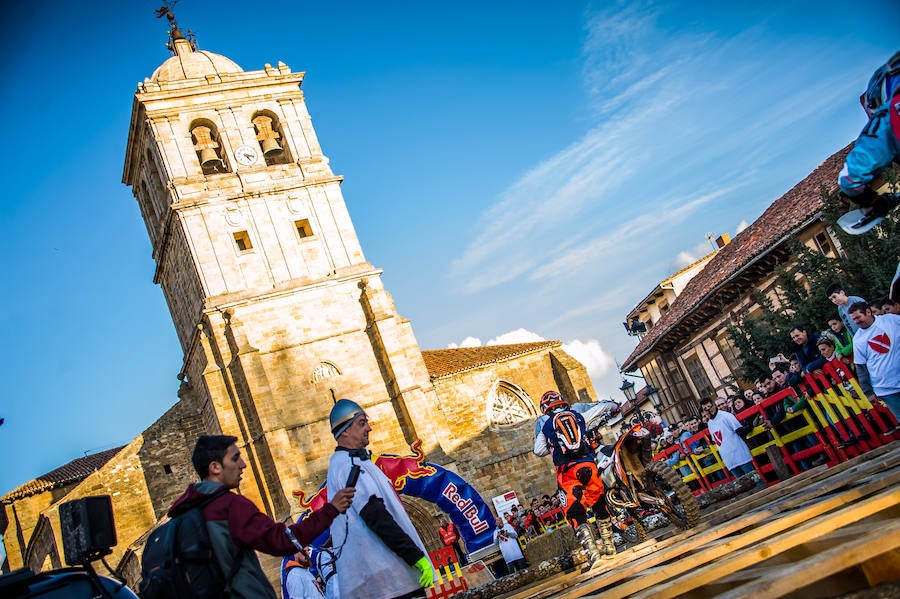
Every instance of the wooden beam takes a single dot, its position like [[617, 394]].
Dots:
[[729, 560], [791, 578], [869, 473], [715, 546], [814, 482]]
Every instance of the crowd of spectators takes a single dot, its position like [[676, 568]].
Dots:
[[812, 349], [541, 513]]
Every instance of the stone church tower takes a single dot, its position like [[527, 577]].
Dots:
[[276, 308], [279, 314]]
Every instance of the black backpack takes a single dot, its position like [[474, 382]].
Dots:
[[178, 559], [569, 438]]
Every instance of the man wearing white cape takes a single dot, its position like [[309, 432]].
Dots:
[[378, 553]]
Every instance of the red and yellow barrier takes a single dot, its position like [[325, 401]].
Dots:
[[838, 423], [449, 578]]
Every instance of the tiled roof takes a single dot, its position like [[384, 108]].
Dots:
[[73, 472], [443, 362], [785, 216]]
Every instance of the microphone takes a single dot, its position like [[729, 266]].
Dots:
[[354, 476]]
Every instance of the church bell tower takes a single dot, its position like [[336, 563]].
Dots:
[[276, 308]]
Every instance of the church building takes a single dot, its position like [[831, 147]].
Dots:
[[279, 314]]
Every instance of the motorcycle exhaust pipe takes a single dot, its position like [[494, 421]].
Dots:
[[649, 499]]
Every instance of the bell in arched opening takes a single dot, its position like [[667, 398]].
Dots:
[[207, 150], [267, 136]]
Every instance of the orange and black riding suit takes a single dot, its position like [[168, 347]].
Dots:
[[576, 470]]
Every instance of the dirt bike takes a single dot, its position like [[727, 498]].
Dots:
[[636, 484]]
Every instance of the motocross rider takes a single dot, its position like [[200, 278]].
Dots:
[[876, 147], [562, 433]]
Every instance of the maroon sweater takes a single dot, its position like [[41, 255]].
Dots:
[[250, 527]]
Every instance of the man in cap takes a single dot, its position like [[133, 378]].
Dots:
[[378, 552]]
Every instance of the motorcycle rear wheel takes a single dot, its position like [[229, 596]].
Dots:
[[679, 506]]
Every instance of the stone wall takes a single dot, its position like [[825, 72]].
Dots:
[[165, 455], [122, 478], [496, 458]]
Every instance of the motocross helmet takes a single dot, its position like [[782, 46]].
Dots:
[[882, 86], [552, 400]]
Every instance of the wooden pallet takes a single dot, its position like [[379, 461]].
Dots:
[[784, 539]]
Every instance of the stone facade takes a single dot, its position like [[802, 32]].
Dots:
[[279, 314]]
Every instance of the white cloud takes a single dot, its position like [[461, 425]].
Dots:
[[654, 155], [467, 342], [741, 226], [520, 335], [688, 257], [684, 259], [597, 360]]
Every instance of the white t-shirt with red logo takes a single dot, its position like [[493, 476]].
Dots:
[[732, 448], [877, 348]]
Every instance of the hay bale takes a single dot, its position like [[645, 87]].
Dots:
[[552, 544]]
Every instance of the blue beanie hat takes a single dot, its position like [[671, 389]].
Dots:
[[344, 412]]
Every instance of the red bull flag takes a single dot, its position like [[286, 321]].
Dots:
[[412, 476]]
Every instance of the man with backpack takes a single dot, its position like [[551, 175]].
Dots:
[[562, 433], [208, 547]]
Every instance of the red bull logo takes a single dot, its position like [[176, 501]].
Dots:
[[467, 507], [400, 468], [397, 468], [316, 501]]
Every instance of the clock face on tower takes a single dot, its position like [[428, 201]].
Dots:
[[246, 155]]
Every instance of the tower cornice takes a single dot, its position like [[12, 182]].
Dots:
[[356, 273], [151, 90]]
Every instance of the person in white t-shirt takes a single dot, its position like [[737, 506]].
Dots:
[[876, 353], [727, 433]]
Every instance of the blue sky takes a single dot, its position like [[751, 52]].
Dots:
[[519, 169]]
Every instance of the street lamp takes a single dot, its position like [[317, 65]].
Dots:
[[628, 389], [653, 395]]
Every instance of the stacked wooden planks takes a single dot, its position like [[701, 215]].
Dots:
[[824, 532]]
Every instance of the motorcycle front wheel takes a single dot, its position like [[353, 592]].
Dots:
[[679, 505], [636, 532]]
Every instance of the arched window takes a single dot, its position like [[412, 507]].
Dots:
[[508, 404], [325, 370], [270, 138], [209, 151]]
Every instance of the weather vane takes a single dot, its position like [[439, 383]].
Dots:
[[174, 32]]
